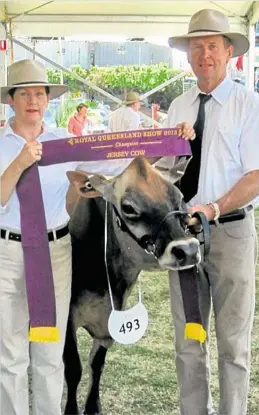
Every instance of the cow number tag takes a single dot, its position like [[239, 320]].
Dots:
[[128, 326]]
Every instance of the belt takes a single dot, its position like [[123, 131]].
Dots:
[[237, 214], [52, 236]]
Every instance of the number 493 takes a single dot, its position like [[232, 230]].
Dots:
[[129, 326]]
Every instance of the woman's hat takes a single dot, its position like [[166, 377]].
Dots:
[[209, 22], [131, 98], [26, 73]]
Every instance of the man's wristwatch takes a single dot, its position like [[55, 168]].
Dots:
[[216, 210]]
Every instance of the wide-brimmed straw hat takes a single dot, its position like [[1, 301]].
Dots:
[[209, 22], [26, 73], [131, 98]]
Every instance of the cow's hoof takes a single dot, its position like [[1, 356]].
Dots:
[[71, 410], [93, 410]]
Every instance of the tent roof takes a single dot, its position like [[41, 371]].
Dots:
[[118, 17]]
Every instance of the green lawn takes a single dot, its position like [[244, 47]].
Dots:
[[141, 379]]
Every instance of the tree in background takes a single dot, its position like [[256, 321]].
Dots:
[[117, 80]]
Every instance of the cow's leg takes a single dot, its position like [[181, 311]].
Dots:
[[73, 370], [96, 364]]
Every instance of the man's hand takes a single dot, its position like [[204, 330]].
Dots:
[[187, 131], [208, 211]]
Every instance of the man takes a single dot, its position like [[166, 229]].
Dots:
[[222, 176], [127, 117]]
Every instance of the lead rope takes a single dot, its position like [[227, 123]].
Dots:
[[106, 264]]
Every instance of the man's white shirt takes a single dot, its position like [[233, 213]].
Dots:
[[124, 119], [230, 142]]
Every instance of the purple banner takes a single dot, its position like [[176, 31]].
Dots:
[[107, 146]]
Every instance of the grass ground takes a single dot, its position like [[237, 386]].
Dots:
[[141, 379]]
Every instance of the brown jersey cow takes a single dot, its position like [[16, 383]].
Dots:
[[146, 230]]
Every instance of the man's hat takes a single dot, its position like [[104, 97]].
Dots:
[[26, 73], [131, 98], [209, 22]]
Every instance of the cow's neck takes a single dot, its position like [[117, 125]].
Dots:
[[120, 256]]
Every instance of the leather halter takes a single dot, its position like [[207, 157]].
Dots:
[[148, 241], [205, 231]]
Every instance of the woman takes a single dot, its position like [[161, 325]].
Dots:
[[29, 92], [78, 123]]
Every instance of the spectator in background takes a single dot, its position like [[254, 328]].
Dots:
[[155, 108], [126, 117], [77, 124]]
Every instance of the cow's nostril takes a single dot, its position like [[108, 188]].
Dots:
[[178, 253]]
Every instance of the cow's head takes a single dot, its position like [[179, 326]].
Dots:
[[150, 207]]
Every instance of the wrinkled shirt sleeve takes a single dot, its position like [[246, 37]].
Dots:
[[5, 161], [134, 121], [169, 120], [167, 162], [3, 209], [249, 141]]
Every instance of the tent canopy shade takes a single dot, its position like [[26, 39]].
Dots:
[[121, 17]]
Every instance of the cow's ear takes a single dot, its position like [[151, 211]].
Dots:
[[81, 181], [104, 185], [177, 172]]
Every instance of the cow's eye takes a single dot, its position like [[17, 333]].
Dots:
[[129, 210]]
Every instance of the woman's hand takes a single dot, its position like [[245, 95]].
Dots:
[[187, 131], [30, 153]]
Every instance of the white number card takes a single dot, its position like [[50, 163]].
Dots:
[[128, 326]]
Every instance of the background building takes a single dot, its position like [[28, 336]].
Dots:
[[87, 54]]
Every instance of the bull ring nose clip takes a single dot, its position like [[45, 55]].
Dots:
[[151, 249]]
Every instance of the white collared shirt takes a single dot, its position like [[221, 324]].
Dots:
[[54, 182], [230, 142], [124, 119]]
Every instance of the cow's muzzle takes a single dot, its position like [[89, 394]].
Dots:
[[181, 254]]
